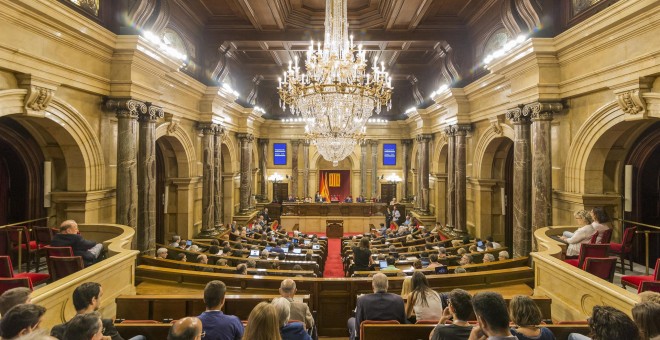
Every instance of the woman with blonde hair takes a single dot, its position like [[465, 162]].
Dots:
[[580, 236], [406, 287], [263, 323], [526, 316]]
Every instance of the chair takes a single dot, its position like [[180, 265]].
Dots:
[[606, 236], [589, 250], [653, 286], [601, 267], [594, 237], [56, 251], [624, 249], [151, 322], [374, 322], [637, 280], [43, 236], [28, 246], [7, 271], [62, 266], [14, 282], [4, 242]]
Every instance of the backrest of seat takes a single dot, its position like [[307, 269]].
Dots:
[[9, 283], [601, 267], [628, 235], [653, 286], [43, 235], [4, 242], [592, 250], [13, 234], [58, 251], [6, 269], [656, 271], [594, 238], [376, 322], [62, 266], [606, 236]]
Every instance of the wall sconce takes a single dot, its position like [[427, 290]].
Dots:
[[275, 178], [393, 178]]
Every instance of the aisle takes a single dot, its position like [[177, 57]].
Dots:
[[333, 264]]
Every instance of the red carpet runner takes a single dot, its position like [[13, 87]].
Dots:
[[333, 264]]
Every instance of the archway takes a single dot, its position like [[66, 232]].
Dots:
[[227, 184], [338, 178], [439, 166]]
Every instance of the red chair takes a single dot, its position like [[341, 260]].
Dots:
[[374, 322], [653, 286], [28, 246], [606, 236], [636, 280], [624, 249], [43, 236], [589, 250], [14, 282], [151, 322], [601, 267], [56, 251], [4, 242], [7, 271], [594, 237], [62, 266]]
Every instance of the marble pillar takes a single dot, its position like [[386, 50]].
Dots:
[[374, 167], [418, 178], [127, 111], [305, 180], [363, 168], [208, 175], [218, 203], [522, 182], [263, 167], [405, 167], [460, 178], [541, 116], [146, 171], [294, 167], [245, 175], [424, 168], [451, 183]]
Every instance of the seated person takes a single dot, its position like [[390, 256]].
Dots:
[[21, 320], [526, 316], [423, 303], [215, 324], [433, 261], [175, 241], [84, 327], [380, 305], [182, 257], [608, 323], [493, 317], [488, 258], [14, 297], [601, 222], [503, 255], [68, 236], [241, 269], [298, 310], [203, 259], [465, 260], [581, 235], [348, 199], [390, 264], [161, 253], [188, 328], [458, 311], [289, 331]]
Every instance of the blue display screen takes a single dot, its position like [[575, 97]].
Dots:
[[279, 153], [389, 154]]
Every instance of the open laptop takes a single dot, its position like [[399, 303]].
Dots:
[[254, 253], [382, 264], [425, 262], [441, 270], [296, 250], [316, 246], [307, 242]]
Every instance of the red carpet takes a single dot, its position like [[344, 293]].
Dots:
[[333, 264]]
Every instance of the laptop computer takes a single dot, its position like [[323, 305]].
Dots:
[[425, 262], [307, 242], [383, 264], [441, 270], [316, 246], [296, 250], [254, 253]]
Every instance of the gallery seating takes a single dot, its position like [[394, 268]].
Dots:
[[601, 267], [589, 250], [14, 282], [62, 266], [636, 280], [7, 271], [624, 249]]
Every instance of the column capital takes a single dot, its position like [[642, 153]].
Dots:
[[372, 142], [296, 142], [263, 141], [517, 115], [153, 113], [424, 138], [542, 111], [207, 128], [461, 129], [406, 142], [449, 131], [220, 131], [245, 137], [126, 107]]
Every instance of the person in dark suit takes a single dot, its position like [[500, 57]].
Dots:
[[90, 251], [265, 215], [380, 305]]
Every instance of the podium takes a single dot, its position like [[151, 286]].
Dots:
[[334, 228]]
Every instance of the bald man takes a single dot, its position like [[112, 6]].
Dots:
[[69, 236], [189, 328], [380, 305], [299, 310]]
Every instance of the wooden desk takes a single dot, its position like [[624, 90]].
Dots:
[[334, 228]]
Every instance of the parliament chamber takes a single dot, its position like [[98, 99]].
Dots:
[[324, 167]]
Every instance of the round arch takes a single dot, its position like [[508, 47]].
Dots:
[[231, 150], [80, 147], [316, 156], [485, 150], [182, 146], [439, 157]]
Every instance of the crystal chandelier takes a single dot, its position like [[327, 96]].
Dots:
[[336, 95]]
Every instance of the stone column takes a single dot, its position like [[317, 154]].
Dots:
[[263, 166], [460, 179], [146, 171], [363, 168], [218, 185], [541, 115], [294, 167], [127, 132], [418, 178], [208, 175], [305, 153], [451, 174], [374, 167], [405, 153], [424, 167], [246, 180], [522, 182]]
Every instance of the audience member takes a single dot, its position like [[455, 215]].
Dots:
[[390, 264], [69, 236], [580, 236], [423, 303], [488, 258], [241, 269], [263, 323], [526, 316], [215, 323], [86, 326], [161, 253], [460, 270], [189, 328], [465, 260], [601, 222], [649, 296], [362, 256], [492, 316], [174, 243], [40, 334], [289, 331], [14, 297], [647, 317], [433, 261], [299, 310], [221, 262], [87, 299], [607, 323], [495, 244], [182, 257], [21, 320], [380, 305], [458, 310], [503, 255], [203, 259]]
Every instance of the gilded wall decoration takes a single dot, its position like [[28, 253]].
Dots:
[[90, 6]]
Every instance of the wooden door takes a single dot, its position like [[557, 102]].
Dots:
[[280, 192], [387, 192]]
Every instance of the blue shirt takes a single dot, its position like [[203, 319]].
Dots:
[[219, 326], [294, 331], [545, 334]]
